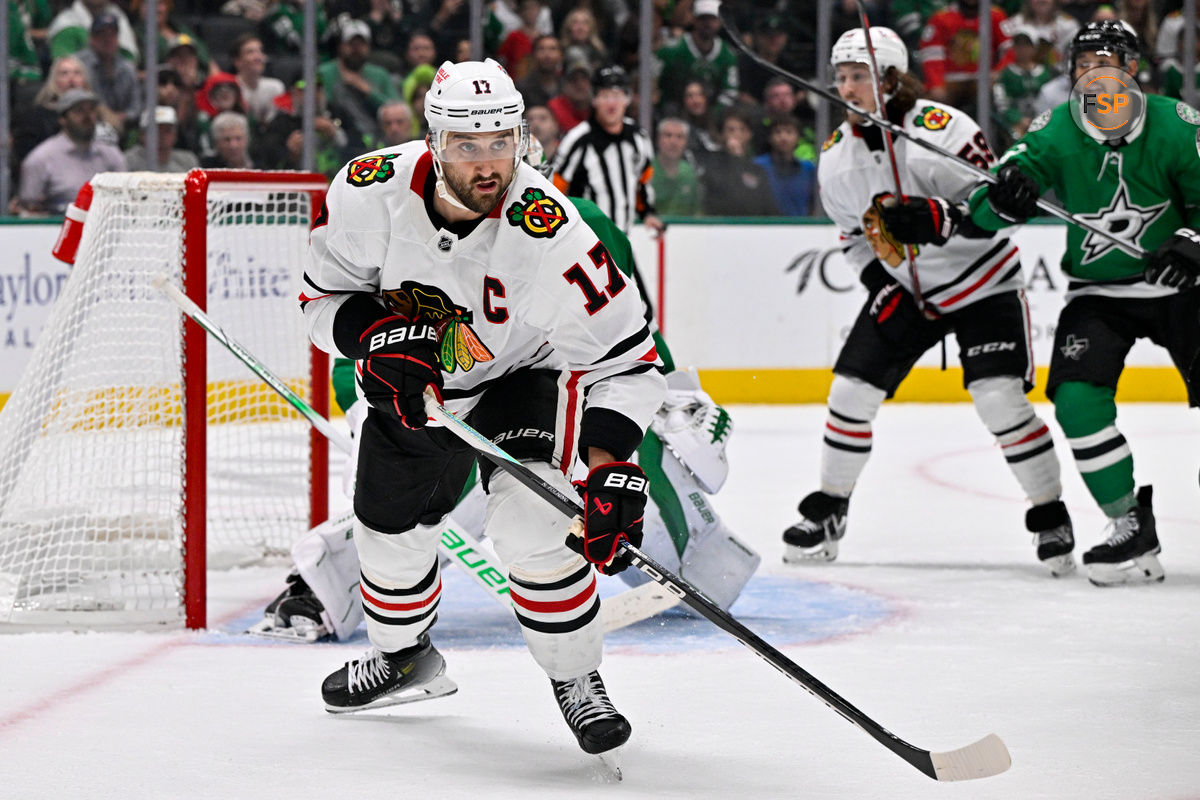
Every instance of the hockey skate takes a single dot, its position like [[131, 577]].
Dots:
[[590, 714], [1130, 554], [296, 615], [376, 679], [1053, 535], [816, 536]]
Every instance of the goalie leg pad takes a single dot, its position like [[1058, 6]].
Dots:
[[553, 589], [401, 583], [853, 404], [720, 565], [1023, 437], [328, 561]]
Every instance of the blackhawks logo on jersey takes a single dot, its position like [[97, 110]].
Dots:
[[833, 139], [459, 344], [536, 214], [932, 118], [366, 170]]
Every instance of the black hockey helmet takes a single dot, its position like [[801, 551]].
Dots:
[[1111, 37], [611, 77]]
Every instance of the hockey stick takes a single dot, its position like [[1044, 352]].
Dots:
[[886, 124], [889, 145], [625, 608], [982, 759]]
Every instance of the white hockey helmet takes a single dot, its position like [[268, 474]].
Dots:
[[474, 97], [851, 47]]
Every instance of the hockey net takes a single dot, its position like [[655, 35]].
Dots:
[[135, 455]]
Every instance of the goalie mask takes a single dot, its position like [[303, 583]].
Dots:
[[473, 97]]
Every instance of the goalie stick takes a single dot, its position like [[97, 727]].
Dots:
[[886, 124], [981, 759], [618, 611]]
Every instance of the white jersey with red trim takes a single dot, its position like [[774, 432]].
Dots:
[[530, 286], [851, 173]]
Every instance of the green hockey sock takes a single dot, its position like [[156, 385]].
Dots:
[[1088, 414]]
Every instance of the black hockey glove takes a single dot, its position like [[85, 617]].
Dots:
[[401, 360], [891, 307], [918, 220], [1176, 262], [614, 501], [1014, 196]]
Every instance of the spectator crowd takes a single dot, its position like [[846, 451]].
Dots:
[[729, 138]]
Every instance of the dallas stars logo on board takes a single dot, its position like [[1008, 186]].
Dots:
[[1122, 219], [539, 216], [370, 169], [459, 345]]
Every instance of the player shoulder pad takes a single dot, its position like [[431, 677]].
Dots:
[[381, 166], [1187, 113], [535, 207], [932, 117], [1040, 121]]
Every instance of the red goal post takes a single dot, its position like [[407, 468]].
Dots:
[[137, 456]]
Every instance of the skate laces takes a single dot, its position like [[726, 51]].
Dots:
[[583, 700], [1124, 528], [367, 672]]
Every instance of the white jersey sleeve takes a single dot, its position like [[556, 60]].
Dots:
[[346, 251], [838, 170], [594, 318]]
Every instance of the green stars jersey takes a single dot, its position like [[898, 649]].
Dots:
[[1140, 192]]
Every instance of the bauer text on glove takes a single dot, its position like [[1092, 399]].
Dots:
[[614, 498], [401, 360]]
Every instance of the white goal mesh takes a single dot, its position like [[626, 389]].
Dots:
[[94, 488]]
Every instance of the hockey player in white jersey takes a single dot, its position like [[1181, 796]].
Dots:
[[456, 267], [969, 284], [683, 456]]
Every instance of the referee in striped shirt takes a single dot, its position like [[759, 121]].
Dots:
[[607, 159]]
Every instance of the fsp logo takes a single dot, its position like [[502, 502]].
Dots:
[[1107, 103]]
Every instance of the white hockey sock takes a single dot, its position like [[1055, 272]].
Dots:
[[1029, 450], [1023, 438], [401, 583], [847, 441], [559, 614]]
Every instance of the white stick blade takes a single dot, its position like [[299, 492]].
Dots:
[[634, 605], [982, 759]]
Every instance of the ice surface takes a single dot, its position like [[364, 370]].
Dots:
[[936, 621]]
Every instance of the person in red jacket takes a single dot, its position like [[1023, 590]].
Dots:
[[949, 51]]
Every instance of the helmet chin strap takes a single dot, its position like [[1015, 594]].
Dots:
[[443, 190]]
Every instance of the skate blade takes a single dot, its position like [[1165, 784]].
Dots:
[[267, 629], [1143, 569], [1060, 566], [821, 554], [438, 687], [610, 765]]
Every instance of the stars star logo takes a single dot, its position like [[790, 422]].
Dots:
[[1122, 219]]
